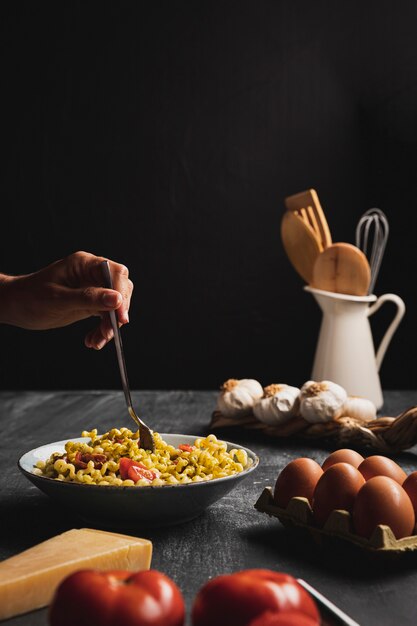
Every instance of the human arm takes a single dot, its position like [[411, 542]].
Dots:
[[65, 292]]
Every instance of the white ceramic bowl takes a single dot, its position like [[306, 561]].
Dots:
[[128, 507]]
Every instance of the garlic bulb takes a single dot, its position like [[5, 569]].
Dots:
[[239, 396], [278, 404], [321, 402], [358, 408]]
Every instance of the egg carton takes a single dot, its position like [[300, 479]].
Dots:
[[299, 515]]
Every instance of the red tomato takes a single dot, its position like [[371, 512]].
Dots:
[[124, 464], [117, 598], [237, 599], [81, 460], [138, 471], [135, 471], [284, 619], [185, 447]]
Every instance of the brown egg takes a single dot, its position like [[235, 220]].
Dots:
[[298, 478], [336, 489], [344, 455], [382, 466], [383, 501], [410, 487]]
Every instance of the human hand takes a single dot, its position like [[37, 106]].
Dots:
[[65, 292]]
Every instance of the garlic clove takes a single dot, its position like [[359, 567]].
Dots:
[[278, 404], [321, 401], [358, 408], [238, 397]]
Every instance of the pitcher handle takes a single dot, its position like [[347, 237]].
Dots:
[[387, 297]]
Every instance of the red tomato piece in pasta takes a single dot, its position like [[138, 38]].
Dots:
[[135, 470]]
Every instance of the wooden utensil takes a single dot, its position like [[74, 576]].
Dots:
[[300, 243], [306, 205], [342, 268]]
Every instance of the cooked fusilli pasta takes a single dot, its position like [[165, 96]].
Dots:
[[116, 459]]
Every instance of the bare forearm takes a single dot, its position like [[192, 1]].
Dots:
[[4, 278], [6, 298], [64, 292]]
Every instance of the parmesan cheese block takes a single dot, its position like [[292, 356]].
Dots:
[[29, 579]]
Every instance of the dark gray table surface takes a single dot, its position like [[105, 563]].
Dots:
[[231, 535]]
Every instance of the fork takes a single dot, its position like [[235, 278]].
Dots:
[[145, 434], [307, 205]]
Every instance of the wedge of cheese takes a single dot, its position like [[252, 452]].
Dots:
[[29, 579]]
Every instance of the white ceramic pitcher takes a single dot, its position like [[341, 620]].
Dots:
[[345, 351]]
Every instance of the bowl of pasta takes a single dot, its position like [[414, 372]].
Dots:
[[109, 480]]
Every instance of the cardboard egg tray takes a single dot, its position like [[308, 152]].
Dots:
[[299, 515]]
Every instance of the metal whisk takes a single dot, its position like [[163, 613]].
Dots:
[[371, 237]]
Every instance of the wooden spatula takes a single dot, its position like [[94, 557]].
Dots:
[[300, 243], [342, 268], [306, 205]]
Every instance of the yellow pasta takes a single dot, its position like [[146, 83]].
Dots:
[[116, 459]]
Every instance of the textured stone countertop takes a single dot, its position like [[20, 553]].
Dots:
[[230, 535]]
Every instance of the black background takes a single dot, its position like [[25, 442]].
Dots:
[[165, 135]]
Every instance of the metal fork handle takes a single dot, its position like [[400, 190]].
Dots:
[[119, 346], [145, 434]]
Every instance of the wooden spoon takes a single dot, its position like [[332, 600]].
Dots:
[[300, 243], [342, 268], [307, 205]]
